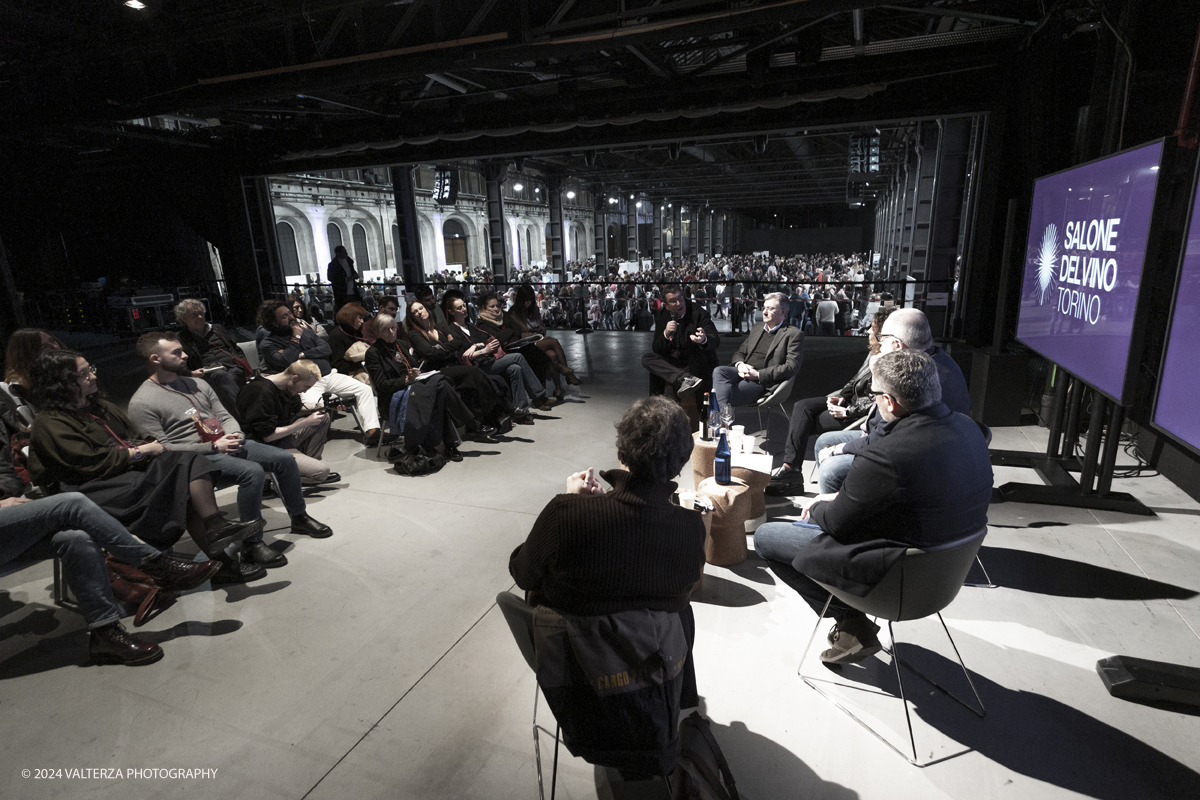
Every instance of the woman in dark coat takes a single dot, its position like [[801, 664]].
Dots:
[[423, 410], [527, 319], [495, 323], [347, 332], [86, 444], [438, 350]]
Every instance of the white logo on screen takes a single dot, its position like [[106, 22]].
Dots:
[[1047, 262]]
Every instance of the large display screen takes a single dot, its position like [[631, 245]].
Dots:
[[1083, 264], [1176, 411]]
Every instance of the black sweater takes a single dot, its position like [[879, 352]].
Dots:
[[628, 549], [263, 407]]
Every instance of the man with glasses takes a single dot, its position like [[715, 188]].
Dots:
[[905, 329], [211, 352], [927, 482], [684, 348]]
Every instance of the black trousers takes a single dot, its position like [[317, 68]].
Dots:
[[808, 417], [667, 373]]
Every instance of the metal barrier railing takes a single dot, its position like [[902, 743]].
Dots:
[[569, 305]]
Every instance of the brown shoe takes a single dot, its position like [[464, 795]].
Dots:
[[852, 640], [112, 644]]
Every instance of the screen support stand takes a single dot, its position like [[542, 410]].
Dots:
[[1060, 487]]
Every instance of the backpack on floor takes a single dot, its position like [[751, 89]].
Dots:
[[702, 773]]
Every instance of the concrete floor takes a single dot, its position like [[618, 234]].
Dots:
[[376, 663]]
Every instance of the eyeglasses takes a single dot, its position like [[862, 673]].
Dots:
[[874, 393], [86, 372], [883, 336]]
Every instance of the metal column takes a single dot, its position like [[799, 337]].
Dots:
[[495, 174], [677, 232], [693, 229], [656, 207], [554, 184], [409, 259], [631, 230], [600, 229]]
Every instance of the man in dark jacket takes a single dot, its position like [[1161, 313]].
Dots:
[[770, 355], [684, 347], [905, 329], [344, 278], [211, 352], [927, 482]]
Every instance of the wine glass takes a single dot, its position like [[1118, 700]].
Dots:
[[726, 415]]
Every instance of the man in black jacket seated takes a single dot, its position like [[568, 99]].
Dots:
[[927, 482], [685, 347], [211, 352]]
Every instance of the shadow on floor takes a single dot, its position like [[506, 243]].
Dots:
[[1064, 577], [1032, 734], [719, 591]]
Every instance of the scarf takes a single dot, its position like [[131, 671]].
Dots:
[[496, 319]]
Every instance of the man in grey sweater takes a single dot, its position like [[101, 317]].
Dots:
[[185, 414]]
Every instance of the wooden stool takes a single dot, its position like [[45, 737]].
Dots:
[[726, 543]]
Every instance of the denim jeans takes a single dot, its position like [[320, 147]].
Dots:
[[77, 529], [779, 543], [833, 469], [248, 470], [521, 379]]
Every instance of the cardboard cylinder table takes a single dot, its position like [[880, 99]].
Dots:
[[726, 543], [757, 481], [703, 454]]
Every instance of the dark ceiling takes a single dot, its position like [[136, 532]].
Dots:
[[746, 104]]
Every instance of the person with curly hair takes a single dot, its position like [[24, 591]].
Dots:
[[83, 443]]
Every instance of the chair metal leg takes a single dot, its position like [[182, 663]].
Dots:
[[897, 662], [804, 652], [986, 577], [537, 750]]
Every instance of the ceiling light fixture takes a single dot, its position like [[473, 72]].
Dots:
[[518, 186], [570, 195], [135, 5]]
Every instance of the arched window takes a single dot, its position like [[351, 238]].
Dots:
[[454, 236], [574, 254], [529, 244], [396, 242], [362, 257], [334, 234], [288, 255]]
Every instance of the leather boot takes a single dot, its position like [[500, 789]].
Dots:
[[219, 532], [234, 570], [306, 525], [177, 574], [112, 644], [258, 553]]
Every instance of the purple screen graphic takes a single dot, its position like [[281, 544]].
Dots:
[[1083, 264], [1176, 411]]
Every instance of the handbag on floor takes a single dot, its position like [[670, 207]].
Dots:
[[702, 773], [137, 589]]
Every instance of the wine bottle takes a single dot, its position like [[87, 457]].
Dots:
[[705, 432], [722, 462]]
